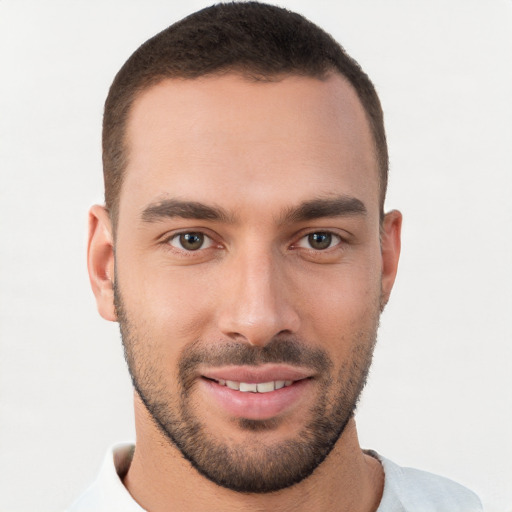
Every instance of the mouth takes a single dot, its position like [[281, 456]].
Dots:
[[257, 393], [254, 387]]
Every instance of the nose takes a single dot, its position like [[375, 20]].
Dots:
[[258, 301]]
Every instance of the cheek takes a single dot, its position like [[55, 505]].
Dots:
[[339, 308], [345, 289], [167, 307]]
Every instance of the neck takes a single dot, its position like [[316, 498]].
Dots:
[[160, 479]]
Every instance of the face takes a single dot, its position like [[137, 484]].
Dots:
[[250, 270]]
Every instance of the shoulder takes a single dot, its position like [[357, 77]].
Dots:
[[412, 490], [107, 493]]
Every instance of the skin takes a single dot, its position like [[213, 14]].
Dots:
[[257, 151]]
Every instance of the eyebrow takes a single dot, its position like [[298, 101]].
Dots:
[[170, 208], [339, 206], [318, 208]]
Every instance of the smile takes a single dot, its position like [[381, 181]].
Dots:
[[255, 395], [251, 387]]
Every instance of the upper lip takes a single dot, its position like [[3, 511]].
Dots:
[[257, 374]]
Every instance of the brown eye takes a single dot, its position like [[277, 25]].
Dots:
[[319, 241], [192, 241]]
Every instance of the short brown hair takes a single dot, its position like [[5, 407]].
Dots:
[[263, 42]]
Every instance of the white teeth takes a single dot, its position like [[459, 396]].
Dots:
[[265, 387], [262, 387], [245, 387]]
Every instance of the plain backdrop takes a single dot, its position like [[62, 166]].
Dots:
[[440, 392]]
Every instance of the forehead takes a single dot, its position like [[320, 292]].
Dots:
[[216, 137]]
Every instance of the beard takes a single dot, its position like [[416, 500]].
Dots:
[[254, 465]]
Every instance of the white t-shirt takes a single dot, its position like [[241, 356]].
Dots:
[[405, 489]]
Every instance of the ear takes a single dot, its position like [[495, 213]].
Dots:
[[390, 252], [100, 261]]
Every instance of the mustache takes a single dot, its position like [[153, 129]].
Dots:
[[281, 351]]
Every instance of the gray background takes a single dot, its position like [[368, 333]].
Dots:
[[439, 396]]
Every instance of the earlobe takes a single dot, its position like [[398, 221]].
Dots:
[[390, 251], [100, 261]]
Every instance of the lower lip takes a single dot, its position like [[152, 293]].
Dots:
[[256, 406]]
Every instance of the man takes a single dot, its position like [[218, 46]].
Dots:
[[245, 252]]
